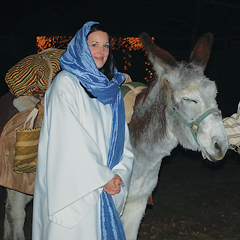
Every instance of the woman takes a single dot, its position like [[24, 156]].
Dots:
[[85, 156]]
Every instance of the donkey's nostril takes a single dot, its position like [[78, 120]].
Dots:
[[216, 146]]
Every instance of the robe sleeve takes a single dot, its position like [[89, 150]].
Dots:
[[124, 170], [75, 173]]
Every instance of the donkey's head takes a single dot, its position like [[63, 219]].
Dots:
[[191, 95]]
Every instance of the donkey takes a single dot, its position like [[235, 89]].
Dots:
[[178, 108]]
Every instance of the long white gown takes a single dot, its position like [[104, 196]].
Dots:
[[72, 161]]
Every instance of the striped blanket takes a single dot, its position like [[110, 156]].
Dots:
[[33, 74], [232, 126]]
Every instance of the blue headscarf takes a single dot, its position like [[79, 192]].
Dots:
[[78, 60]]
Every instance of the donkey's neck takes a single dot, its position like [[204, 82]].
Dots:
[[149, 121]]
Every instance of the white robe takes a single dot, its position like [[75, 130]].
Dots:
[[72, 159]]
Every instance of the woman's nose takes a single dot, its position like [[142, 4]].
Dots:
[[101, 50]]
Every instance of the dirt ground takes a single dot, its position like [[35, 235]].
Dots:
[[191, 201]]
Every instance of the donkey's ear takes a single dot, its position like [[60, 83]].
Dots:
[[161, 59], [202, 50]]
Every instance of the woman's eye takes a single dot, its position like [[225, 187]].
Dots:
[[106, 46], [94, 44], [190, 100]]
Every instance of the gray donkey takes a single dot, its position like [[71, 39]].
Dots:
[[178, 108]]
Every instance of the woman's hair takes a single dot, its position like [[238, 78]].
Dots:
[[108, 67]]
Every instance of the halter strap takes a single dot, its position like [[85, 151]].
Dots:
[[194, 125]]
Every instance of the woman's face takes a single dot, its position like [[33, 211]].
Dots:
[[98, 43]]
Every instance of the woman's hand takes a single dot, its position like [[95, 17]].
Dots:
[[113, 186]]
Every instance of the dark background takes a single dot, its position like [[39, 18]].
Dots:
[[175, 25]]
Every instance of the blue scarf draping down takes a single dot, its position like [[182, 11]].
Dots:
[[77, 59]]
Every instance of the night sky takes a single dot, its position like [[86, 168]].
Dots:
[[176, 25]]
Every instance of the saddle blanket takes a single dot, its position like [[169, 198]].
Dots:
[[232, 126]]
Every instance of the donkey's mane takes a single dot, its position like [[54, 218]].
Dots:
[[144, 93], [149, 111]]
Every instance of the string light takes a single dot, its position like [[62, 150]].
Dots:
[[126, 45]]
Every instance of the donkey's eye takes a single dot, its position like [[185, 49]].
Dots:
[[190, 100]]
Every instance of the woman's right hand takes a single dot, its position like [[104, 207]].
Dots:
[[113, 186]]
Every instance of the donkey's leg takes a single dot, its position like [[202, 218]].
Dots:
[[141, 187], [132, 216], [3, 194], [15, 215]]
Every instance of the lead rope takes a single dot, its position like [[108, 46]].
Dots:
[[49, 64], [234, 148]]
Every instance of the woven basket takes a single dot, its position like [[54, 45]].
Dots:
[[26, 150]]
